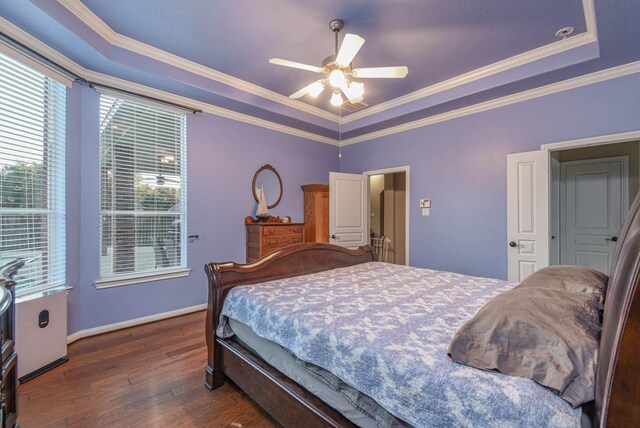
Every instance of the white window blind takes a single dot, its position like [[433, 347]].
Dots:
[[32, 170], [143, 188]]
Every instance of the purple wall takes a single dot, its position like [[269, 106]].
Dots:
[[461, 165], [222, 157]]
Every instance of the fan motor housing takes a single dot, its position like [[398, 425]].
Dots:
[[330, 64]]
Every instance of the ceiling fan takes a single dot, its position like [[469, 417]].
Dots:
[[338, 70]]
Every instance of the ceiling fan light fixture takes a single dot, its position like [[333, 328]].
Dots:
[[316, 89], [336, 78], [337, 70], [357, 89], [336, 99]]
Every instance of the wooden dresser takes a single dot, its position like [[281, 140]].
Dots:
[[316, 212], [265, 238]]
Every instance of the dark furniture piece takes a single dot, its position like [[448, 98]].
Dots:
[[265, 238], [618, 372], [316, 212], [9, 369]]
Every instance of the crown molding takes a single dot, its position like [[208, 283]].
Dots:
[[583, 39], [576, 82], [38, 46], [45, 50], [478, 74], [84, 14], [205, 107]]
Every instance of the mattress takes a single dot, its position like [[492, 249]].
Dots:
[[351, 403], [384, 330]]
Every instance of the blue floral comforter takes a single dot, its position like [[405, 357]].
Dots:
[[384, 329]]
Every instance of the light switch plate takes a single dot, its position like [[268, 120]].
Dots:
[[425, 212], [425, 203]]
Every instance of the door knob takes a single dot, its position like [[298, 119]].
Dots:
[[513, 244], [334, 237], [612, 239]]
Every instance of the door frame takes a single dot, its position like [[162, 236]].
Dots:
[[583, 142], [563, 191], [406, 169]]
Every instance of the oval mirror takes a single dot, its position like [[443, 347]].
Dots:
[[270, 180]]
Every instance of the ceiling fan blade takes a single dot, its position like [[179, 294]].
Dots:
[[382, 72], [350, 46], [353, 91], [314, 89], [286, 63]]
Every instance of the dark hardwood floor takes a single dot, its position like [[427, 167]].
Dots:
[[148, 376]]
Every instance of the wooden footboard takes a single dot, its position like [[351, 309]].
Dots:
[[294, 260]]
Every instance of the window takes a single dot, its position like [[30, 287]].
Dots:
[[32, 192], [142, 191]]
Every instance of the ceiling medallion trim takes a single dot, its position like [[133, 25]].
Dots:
[[84, 14]]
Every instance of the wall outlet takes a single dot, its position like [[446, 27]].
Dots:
[[425, 212], [425, 203]]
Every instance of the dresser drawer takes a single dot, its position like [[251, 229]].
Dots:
[[265, 238], [281, 241], [281, 230]]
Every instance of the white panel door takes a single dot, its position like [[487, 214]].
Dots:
[[595, 203], [347, 214], [527, 213], [554, 188]]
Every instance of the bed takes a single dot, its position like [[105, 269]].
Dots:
[[285, 381]]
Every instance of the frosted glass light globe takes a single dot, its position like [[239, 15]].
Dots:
[[336, 78], [336, 99]]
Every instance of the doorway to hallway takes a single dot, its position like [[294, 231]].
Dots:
[[388, 216]]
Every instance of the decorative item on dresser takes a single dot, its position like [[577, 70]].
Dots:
[[316, 212], [265, 237], [9, 371], [267, 190]]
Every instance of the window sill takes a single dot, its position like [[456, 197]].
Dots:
[[120, 280], [42, 293]]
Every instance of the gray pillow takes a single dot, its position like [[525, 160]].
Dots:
[[549, 336], [577, 279]]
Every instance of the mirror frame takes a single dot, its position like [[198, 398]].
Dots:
[[266, 167]]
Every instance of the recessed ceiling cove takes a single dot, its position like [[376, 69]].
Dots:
[[218, 52]]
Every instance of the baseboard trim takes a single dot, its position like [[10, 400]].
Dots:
[[132, 323], [42, 370]]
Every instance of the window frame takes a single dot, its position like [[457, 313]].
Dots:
[[53, 254], [156, 274]]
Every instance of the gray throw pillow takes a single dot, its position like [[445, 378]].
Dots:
[[549, 336], [578, 279]]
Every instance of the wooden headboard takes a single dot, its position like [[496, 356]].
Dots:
[[294, 260], [618, 373]]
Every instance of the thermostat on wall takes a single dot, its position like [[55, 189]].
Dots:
[[425, 203]]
